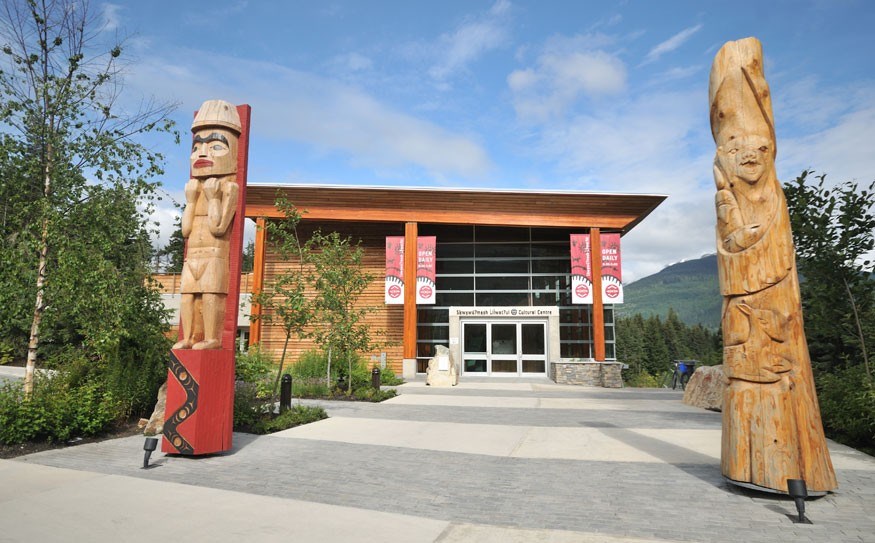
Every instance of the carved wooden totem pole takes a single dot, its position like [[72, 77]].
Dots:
[[200, 381], [772, 429]]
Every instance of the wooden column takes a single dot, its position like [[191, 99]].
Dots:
[[598, 308], [257, 277], [410, 235]]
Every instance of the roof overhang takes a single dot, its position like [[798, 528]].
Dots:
[[494, 207]]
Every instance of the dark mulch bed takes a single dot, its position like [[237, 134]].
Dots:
[[126, 429]]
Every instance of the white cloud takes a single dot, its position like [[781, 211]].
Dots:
[[332, 117], [558, 81], [470, 40], [671, 44], [111, 17]]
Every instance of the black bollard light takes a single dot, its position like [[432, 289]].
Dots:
[[150, 445], [286, 393], [798, 491], [375, 378]]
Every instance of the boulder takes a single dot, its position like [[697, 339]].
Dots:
[[441, 370], [155, 427], [706, 388]]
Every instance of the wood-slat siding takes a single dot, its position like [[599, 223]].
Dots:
[[386, 317]]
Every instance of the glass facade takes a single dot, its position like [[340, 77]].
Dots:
[[502, 266]]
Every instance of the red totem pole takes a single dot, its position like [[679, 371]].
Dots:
[[200, 381]]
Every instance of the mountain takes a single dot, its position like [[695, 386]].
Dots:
[[691, 288]]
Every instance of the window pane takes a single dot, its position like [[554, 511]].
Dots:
[[475, 366], [455, 283], [502, 298], [502, 266], [533, 366], [454, 298], [501, 233], [550, 234], [475, 338], [502, 283], [425, 350], [440, 333], [455, 250], [503, 250], [551, 249], [533, 338], [433, 315], [551, 266], [504, 366], [546, 298], [576, 350], [454, 266], [447, 232], [550, 282], [503, 339]]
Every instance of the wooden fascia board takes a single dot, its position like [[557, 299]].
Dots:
[[449, 217]]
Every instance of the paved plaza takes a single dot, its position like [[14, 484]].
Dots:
[[500, 461]]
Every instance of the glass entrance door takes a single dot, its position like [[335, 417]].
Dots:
[[504, 348]]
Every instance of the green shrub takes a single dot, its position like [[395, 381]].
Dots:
[[640, 379], [313, 365], [254, 366], [296, 416], [248, 409], [388, 378], [56, 411], [847, 405], [369, 394]]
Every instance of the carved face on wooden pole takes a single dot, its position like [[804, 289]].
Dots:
[[747, 158], [213, 152]]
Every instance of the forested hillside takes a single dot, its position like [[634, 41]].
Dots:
[[690, 288]]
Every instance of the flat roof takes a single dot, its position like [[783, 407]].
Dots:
[[458, 205]]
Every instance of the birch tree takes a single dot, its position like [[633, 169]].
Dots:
[[65, 124]]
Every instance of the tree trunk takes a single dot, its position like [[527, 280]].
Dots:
[[328, 373], [859, 329], [39, 306]]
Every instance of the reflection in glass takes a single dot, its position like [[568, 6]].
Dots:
[[533, 366], [503, 339], [475, 338], [475, 365], [533, 338], [503, 366]]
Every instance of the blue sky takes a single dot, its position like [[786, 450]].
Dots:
[[600, 96]]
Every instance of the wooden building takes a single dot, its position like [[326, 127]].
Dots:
[[503, 301]]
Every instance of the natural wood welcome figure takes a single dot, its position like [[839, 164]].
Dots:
[[211, 201], [772, 430], [199, 415]]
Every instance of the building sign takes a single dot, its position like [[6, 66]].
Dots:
[[612, 278], [524, 311], [394, 270], [426, 248], [581, 270]]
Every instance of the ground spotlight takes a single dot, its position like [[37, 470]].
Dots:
[[150, 445], [798, 491]]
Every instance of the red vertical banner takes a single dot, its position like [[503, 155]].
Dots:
[[394, 288], [612, 276], [426, 247], [581, 269]]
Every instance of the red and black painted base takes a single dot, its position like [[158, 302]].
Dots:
[[199, 417]]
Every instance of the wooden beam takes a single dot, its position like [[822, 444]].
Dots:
[[410, 234], [257, 277], [598, 308], [482, 216]]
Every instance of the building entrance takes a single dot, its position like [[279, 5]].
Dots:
[[504, 348]]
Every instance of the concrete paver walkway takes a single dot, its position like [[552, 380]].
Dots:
[[483, 461]]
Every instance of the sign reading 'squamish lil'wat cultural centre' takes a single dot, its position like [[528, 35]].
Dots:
[[199, 414]]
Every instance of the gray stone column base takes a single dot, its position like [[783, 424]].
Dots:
[[588, 373]]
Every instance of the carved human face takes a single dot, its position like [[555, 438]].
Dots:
[[213, 152], [747, 157]]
